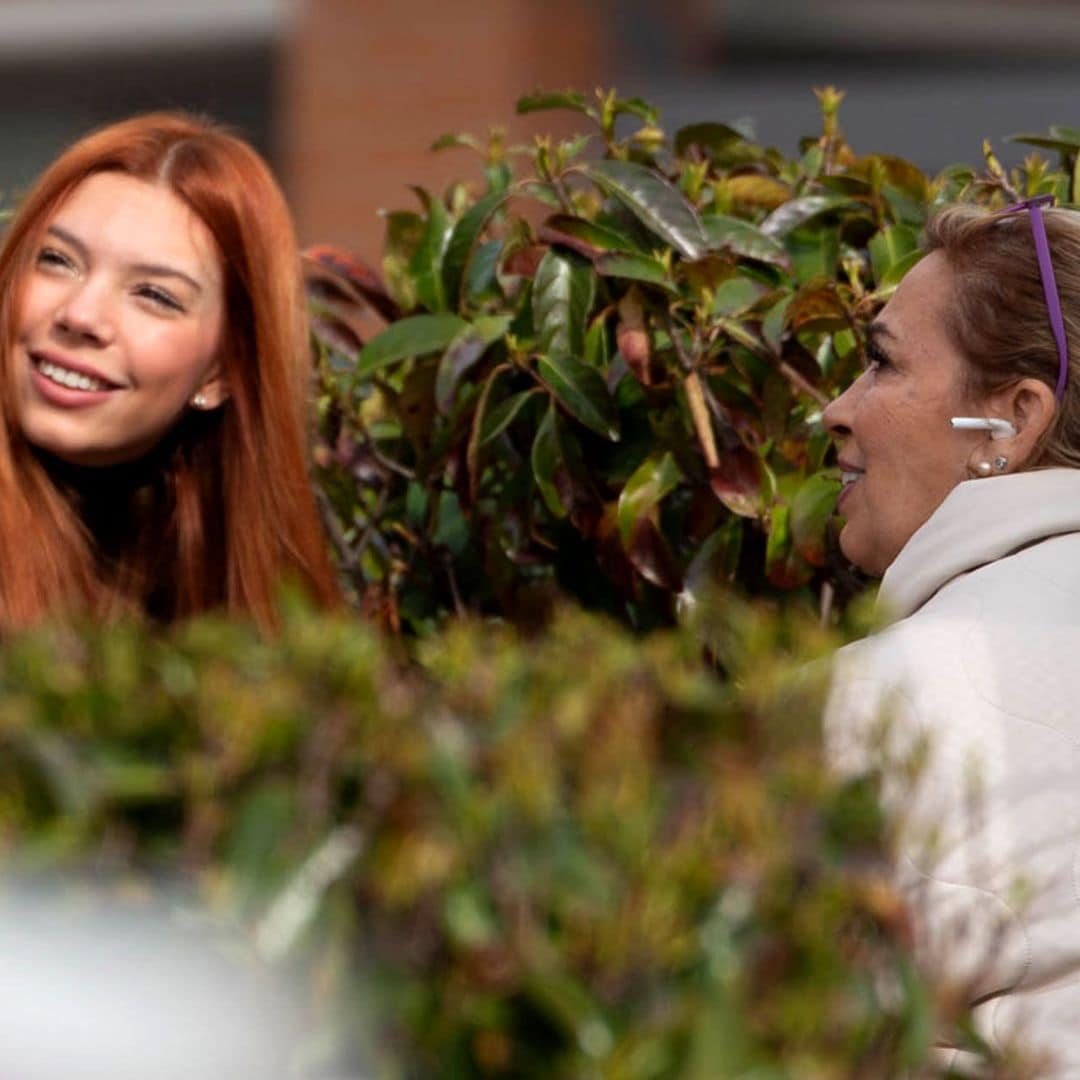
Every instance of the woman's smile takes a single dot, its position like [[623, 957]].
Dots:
[[849, 476], [83, 385]]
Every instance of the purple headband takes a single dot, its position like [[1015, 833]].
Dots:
[[1046, 273]]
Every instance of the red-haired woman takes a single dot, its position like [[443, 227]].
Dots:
[[154, 379]]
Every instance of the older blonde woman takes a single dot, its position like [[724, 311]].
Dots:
[[960, 453]]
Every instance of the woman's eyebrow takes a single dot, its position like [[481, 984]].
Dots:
[[878, 329], [153, 269]]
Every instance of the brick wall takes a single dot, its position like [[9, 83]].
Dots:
[[368, 85]]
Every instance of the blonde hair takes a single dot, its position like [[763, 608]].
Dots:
[[997, 315]]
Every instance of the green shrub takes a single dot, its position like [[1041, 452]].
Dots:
[[603, 377], [567, 855]]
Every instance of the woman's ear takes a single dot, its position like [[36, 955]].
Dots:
[[211, 394], [1029, 405]]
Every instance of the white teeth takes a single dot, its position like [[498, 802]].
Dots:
[[849, 477], [73, 380]]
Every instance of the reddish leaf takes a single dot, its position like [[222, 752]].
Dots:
[[737, 480], [817, 306], [651, 556], [523, 261], [365, 281], [337, 333]]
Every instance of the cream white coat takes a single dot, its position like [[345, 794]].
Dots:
[[982, 659]]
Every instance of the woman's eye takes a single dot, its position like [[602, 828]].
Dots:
[[159, 297], [875, 358], [50, 257]]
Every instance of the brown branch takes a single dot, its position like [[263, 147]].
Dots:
[[800, 383]]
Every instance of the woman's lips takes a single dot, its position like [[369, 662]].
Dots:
[[67, 385], [849, 477]]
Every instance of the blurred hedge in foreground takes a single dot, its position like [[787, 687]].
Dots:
[[577, 854]]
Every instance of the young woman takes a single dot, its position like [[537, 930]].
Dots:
[[155, 368]]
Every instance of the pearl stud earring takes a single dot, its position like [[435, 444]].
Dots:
[[199, 401], [984, 468]]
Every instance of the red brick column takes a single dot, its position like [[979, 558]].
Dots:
[[368, 86]]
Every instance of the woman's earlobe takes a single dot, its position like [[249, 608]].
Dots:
[[211, 395]]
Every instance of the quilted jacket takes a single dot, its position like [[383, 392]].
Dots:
[[980, 667]]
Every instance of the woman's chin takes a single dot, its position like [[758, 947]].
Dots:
[[859, 553]]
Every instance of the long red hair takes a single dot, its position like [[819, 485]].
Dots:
[[234, 514]]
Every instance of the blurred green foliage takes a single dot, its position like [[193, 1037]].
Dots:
[[567, 855], [600, 371]]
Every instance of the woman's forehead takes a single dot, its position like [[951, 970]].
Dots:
[[133, 221], [921, 301]]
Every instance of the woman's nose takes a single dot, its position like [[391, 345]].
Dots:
[[85, 312], [838, 413]]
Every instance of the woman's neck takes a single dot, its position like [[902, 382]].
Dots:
[[115, 502]]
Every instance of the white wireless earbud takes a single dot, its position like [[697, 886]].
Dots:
[[999, 429]]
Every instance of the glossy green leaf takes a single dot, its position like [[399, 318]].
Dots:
[[450, 531], [636, 106], [545, 459], [784, 566], [889, 246], [595, 238], [895, 274], [452, 139], [463, 352], [654, 479], [657, 203], [427, 258], [416, 335], [814, 253], [635, 268], [888, 170], [463, 240], [904, 208], [562, 297], [799, 211], [581, 390], [1060, 143], [501, 416], [597, 348], [711, 138], [735, 295], [480, 282], [714, 565], [740, 237], [811, 509], [404, 234], [541, 100], [772, 326]]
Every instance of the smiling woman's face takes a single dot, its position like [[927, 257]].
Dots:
[[119, 323], [897, 450]]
